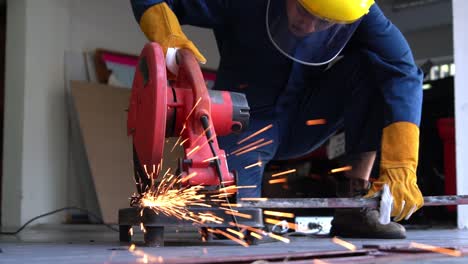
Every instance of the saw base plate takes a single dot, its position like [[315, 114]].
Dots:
[[155, 223]]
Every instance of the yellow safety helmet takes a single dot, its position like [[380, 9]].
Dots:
[[339, 11], [313, 32]]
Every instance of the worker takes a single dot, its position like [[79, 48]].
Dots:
[[299, 60]]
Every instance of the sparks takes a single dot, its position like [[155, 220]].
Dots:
[[235, 239], [228, 209], [255, 134], [237, 233], [283, 173], [440, 250], [183, 142], [227, 182], [282, 180], [259, 164], [198, 148], [248, 146], [210, 159], [167, 198], [318, 261], [177, 141], [280, 214], [315, 122], [192, 151], [144, 258], [247, 216], [280, 238], [262, 199], [254, 148], [132, 248], [231, 205], [256, 235], [188, 177], [255, 230], [347, 168], [237, 187], [193, 109], [344, 244]]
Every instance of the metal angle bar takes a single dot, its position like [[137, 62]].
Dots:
[[346, 202]]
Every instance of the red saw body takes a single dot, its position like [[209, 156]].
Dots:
[[184, 109]]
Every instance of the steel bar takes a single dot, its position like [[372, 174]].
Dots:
[[346, 202]]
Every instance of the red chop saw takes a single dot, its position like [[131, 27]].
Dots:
[[186, 109]]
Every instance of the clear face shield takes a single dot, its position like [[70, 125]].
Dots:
[[304, 37]]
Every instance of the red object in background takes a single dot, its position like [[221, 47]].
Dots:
[[210, 78], [446, 128]]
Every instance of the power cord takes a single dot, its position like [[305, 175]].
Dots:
[[70, 208]]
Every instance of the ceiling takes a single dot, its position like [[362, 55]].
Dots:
[[413, 15]]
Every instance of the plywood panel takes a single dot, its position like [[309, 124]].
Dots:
[[102, 118]]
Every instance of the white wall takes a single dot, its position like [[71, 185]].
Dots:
[[110, 24], [460, 9], [14, 103], [35, 118], [36, 126]]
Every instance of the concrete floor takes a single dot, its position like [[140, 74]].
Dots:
[[72, 244]]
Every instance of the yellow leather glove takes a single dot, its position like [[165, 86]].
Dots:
[[400, 144], [161, 25]]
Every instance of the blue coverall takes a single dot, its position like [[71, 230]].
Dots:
[[376, 83]]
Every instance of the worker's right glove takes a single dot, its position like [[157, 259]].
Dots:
[[161, 25]]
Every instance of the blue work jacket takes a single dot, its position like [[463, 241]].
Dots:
[[250, 64]]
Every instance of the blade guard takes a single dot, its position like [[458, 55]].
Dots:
[[147, 114]]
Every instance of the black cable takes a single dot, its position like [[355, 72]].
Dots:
[[57, 211]]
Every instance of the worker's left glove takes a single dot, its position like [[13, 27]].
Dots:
[[400, 143], [161, 25]]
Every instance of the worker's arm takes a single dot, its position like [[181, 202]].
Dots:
[[400, 80], [161, 20]]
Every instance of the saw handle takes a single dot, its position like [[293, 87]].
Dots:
[[190, 72]]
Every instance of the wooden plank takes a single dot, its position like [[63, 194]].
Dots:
[[102, 118]]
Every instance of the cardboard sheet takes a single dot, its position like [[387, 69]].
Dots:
[[102, 116]]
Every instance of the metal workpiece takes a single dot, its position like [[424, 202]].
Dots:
[[346, 202]]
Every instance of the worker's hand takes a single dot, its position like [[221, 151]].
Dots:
[[407, 197], [161, 25], [400, 143]]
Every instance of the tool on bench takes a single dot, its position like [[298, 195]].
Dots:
[[184, 109]]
